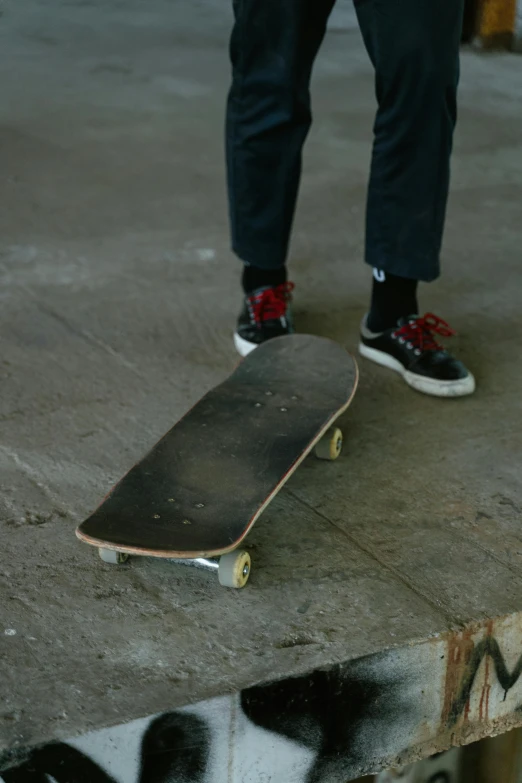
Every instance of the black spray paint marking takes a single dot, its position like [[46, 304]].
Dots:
[[507, 679]]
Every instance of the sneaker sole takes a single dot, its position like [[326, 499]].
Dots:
[[243, 347], [460, 388]]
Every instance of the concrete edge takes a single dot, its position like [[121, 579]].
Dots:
[[391, 708]]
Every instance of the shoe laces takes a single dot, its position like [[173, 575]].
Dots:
[[270, 304], [420, 332]]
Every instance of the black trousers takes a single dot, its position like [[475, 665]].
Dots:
[[414, 48]]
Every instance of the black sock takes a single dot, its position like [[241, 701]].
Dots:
[[255, 277], [392, 298]]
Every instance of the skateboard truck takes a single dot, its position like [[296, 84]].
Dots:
[[233, 569]]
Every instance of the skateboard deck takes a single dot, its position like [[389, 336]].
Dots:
[[201, 488]]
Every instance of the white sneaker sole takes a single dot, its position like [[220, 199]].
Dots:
[[460, 388], [243, 347]]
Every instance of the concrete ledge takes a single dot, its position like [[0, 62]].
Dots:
[[334, 723]]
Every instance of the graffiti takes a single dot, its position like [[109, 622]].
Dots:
[[59, 761], [324, 727], [327, 712], [310, 729], [465, 658], [176, 747]]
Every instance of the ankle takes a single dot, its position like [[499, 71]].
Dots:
[[254, 277], [393, 298]]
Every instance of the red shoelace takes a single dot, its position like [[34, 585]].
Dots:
[[420, 333], [271, 304]]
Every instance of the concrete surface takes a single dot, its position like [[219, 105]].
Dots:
[[343, 17], [118, 296]]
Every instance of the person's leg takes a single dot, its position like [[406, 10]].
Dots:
[[414, 47], [273, 47]]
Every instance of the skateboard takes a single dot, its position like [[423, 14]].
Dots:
[[195, 496]]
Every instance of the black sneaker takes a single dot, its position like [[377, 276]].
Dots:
[[265, 315], [412, 350]]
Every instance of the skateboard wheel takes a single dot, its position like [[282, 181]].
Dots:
[[111, 556], [330, 445], [234, 569]]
